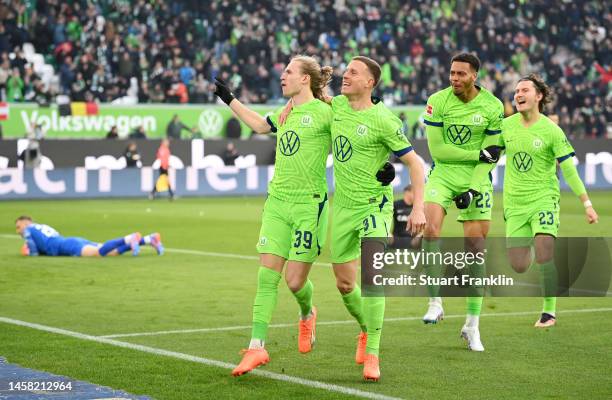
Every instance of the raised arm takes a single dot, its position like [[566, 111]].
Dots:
[[253, 119]]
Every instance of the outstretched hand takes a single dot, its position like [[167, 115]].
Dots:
[[223, 91]]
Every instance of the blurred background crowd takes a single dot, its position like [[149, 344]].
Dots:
[[159, 51]]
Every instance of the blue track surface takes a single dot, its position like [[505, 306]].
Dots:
[[15, 376]]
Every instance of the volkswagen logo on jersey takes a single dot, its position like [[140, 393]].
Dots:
[[459, 134], [522, 161], [289, 143], [342, 148]]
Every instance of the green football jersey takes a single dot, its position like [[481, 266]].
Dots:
[[531, 155], [302, 146], [464, 125], [361, 143]]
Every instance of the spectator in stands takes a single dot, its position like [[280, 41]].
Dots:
[[178, 92], [138, 133], [156, 95], [158, 43], [113, 133], [175, 127], [5, 40], [233, 128], [14, 86], [132, 158], [67, 75], [230, 154], [5, 73]]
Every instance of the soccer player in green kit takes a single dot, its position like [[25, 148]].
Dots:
[[363, 135], [463, 122], [294, 221], [364, 132], [534, 145]]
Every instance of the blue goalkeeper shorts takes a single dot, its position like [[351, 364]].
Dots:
[[73, 246]]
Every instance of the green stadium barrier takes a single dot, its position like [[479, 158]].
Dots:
[[209, 120]]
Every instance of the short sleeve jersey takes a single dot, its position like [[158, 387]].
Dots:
[[531, 160], [464, 125], [302, 147], [361, 144]]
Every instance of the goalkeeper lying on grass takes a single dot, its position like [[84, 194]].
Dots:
[[43, 240]]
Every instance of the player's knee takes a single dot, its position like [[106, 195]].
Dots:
[[295, 284], [474, 244], [345, 286], [544, 257], [520, 266], [432, 230]]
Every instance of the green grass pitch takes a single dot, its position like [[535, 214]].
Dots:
[[207, 280]]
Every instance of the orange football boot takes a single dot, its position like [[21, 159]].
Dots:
[[251, 359]]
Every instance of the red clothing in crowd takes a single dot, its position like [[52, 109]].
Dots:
[[163, 155]]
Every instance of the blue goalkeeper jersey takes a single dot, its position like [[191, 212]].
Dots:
[[42, 239]]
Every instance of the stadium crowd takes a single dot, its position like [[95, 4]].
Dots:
[[169, 51]]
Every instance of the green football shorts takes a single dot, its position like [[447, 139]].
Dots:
[[444, 184], [294, 231], [523, 224], [350, 225]]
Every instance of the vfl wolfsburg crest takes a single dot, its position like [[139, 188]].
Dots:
[[342, 148], [477, 119], [522, 161], [362, 130], [289, 143], [537, 143], [459, 134], [306, 120]]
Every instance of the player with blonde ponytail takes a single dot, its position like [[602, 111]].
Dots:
[[294, 222]]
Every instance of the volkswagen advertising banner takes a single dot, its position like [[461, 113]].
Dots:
[[209, 120]]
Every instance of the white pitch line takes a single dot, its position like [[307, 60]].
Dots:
[[226, 255], [349, 321], [201, 360], [195, 252]]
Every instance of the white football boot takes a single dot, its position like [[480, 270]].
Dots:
[[435, 312], [472, 336]]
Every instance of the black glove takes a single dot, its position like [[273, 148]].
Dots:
[[223, 91], [491, 154], [464, 199], [386, 174]]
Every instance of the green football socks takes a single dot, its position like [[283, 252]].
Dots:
[[549, 281], [265, 301], [354, 304], [304, 298], [433, 270], [475, 293], [374, 313]]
